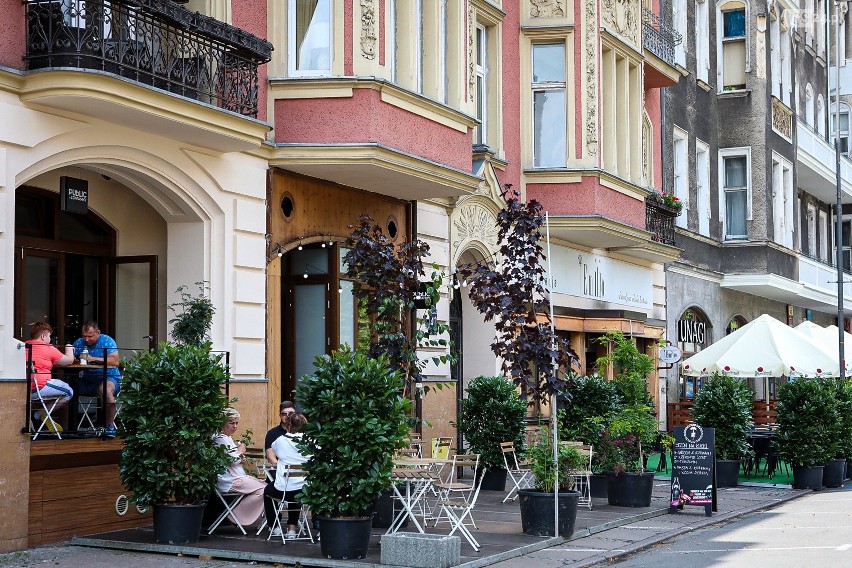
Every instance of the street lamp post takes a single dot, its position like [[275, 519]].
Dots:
[[839, 204]]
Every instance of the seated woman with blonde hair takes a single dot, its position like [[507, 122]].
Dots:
[[235, 479]]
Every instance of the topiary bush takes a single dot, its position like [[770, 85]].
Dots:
[[492, 413], [358, 420], [725, 403], [808, 425]]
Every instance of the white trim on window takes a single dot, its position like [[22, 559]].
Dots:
[[320, 33], [702, 187], [679, 20], [782, 202], [481, 54], [824, 236], [724, 154], [680, 167], [820, 112], [723, 6], [551, 96], [702, 40]]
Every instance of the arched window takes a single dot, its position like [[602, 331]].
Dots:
[[840, 127], [693, 335], [735, 323]]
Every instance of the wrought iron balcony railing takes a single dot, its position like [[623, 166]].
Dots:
[[660, 219], [658, 38], [155, 42]]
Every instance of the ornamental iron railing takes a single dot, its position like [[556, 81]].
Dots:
[[660, 220], [154, 42], [658, 38]]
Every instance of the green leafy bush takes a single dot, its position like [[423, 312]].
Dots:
[[808, 425], [843, 395], [725, 403], [358, 420], [544, 467], [492, 413]]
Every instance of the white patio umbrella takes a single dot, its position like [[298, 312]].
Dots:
[[825, 337], [764, 347]]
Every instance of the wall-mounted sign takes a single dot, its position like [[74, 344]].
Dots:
[[73, 195], [599, 277], [670, 354], [691, 331]]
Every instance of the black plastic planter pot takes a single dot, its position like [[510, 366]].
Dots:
[[727, 473], [345, 538], [598, 485], [385, 510], [834, 473], [537, 512], [630, 489], [807, 477], [177, 524], [848, 468], [495, 480]]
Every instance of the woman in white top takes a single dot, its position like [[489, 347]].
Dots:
[[235, 479], [287, 487]]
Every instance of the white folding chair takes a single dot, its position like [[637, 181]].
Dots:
[[520, 475], [455, 488], [88, 408], [282, 506], [47, 424], [230, 501], [459, 509], [583, 477]]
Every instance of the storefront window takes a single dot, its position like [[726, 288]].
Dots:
[[693, 335]]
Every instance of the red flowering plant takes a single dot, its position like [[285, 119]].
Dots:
[[671, 200]]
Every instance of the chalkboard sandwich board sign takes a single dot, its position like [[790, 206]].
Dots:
[[693, 469]]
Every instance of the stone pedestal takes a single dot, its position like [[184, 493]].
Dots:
[[421, 550]]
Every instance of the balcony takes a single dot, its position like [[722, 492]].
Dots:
[[150, 42], [816, 173], [660, 219], [659, 41]]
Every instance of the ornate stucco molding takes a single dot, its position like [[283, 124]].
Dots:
[[622, 16], [471, 51], [368, 29], [547, 8], [591, 64]]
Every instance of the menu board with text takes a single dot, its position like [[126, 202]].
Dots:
[[693, 468]]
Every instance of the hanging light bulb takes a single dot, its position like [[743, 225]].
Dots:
[[305, 275]]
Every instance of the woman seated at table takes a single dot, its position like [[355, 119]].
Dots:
[[287, 451], [44, 357], [235, 479]]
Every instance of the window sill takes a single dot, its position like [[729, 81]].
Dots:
[[703, 84], [736, 93]]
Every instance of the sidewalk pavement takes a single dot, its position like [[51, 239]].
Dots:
[[602, 534]]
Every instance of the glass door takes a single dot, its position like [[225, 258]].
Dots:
[[38, 275], [133, 297]]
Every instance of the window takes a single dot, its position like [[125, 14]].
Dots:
[[679, 20], [621, 113], [681, 173], [824, 237], [808, 21], [309, 36], [782, 202], [820, 27], [647, 149], [809, 105], [702, 40], [812, 231], [775, 54], [702, 186], [846, 233], [786, 65], [735, 176], [550, 146], [733, 48], [481, 133], [820, 115], [841, 133]]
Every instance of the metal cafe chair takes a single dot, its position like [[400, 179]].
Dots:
[[47, 424], [282, 506], [88, 409], [519, 474], [459, 509], [230, 501]]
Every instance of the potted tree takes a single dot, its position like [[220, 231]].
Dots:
[[724, 403], [583, 416], [632, 428], [807, 428], [173, 399], [358, 420], [537, 503], [491, 414], [835, 470]]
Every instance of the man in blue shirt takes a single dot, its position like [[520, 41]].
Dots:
[[100, 346]]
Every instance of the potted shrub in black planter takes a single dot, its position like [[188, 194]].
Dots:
[[491, 414], [173, 399], [584, 416], [359, 419], [537, 503], [834, 472], [807, 428], [725, 403], [632, 428]]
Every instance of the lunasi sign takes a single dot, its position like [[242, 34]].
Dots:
[[74, 195], [694, 468]]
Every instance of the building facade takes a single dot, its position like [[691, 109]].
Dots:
[[752, 163]]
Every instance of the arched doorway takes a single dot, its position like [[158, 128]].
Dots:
[[67, 272]]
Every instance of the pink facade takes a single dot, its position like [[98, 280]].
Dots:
[[588, 197], [365, 118], [251, 15], [511, 83], [13, 37], [654, 109]]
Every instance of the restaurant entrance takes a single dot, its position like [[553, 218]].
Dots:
[[66, 273]]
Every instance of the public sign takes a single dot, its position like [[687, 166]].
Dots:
[[73, 195], [694, 469], [670, 354]]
